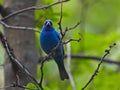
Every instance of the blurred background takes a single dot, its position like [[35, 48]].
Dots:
[[99, 28]]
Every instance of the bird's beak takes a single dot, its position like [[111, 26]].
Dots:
[[48, 24]]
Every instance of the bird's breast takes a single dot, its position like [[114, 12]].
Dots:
[[48, 41]]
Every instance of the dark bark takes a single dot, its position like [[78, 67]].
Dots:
[[3, 11], [22, 42]]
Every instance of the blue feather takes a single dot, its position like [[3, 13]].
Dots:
[[49, 38]]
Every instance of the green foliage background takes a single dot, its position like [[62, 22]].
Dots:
[[99, 28]]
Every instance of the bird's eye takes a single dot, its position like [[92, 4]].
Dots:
[[51, 23], [45, 23]]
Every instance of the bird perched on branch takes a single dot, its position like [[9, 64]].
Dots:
[[49, 39]]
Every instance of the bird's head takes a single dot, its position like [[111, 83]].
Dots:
[[48, 23]]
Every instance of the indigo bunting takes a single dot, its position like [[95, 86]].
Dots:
[[49, 38]]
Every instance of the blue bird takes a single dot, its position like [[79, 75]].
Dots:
[[49, 38]]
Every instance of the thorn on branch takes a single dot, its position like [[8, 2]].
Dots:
[[107, 51]]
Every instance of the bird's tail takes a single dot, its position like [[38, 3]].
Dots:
[[62, 71]]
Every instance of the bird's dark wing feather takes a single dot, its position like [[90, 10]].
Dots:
[[58, 35]]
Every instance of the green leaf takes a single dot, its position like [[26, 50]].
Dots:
[[31, 85]]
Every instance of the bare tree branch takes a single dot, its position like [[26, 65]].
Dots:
[[60, 20], [88, 57], [32, 8], [98, 67], [18, 27], [42, 74], [70, 40], [71, 28], [96, 58], [24, 10], [14, 60]]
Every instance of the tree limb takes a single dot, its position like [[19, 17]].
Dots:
[[18, 27], [98, 67], [88, 57], [32, 8], [14, 60]]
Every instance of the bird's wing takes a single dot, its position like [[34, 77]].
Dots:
[[63, 50], [58, 35]]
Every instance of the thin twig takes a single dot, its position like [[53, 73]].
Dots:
[[70, 40], [42, 74], [18, 27], [32, 8], [60, 20], [67, 29], [98, 67], [71, 28]]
